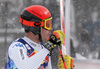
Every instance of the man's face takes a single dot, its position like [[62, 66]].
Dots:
[[45, 34], [46, 30]]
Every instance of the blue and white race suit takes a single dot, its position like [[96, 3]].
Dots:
[[23, 53]]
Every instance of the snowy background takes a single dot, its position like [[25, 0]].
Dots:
[[84, 27]]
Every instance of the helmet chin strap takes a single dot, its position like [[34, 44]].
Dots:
[[40, 38]]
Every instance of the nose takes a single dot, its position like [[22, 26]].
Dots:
[[51, 29]]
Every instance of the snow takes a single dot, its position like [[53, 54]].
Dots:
[[2, 4], [79, 56]]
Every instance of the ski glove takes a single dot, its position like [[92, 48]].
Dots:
[[50, 46], [57, 37], [68, 60]]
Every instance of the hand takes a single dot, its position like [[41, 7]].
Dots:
[[50, 46], [57, 37], [68, 60]]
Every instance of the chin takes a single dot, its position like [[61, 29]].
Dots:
[[44, 41]]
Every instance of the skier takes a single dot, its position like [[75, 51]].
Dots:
[[33, 50]]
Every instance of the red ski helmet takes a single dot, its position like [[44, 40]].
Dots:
[[34, 17]]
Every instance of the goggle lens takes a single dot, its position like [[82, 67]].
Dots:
[[48, 23]]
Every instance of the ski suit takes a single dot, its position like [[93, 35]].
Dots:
[[23, 53]]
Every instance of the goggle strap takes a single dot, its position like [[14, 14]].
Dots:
[[30, 23]]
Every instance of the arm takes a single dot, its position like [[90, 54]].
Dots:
[[16, 52]]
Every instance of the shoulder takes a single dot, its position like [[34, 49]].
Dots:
[[16, 47], [16, 44]]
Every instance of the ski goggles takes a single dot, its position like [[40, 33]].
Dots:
[[46, 23]]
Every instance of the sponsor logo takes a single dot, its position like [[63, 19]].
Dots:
[[18, 45], [21, 53], [32, 44], [27, 46], [37, 24]]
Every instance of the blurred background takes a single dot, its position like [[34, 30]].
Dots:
[[84, 27]]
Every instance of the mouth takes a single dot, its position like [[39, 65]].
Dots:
[[49, 34]]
